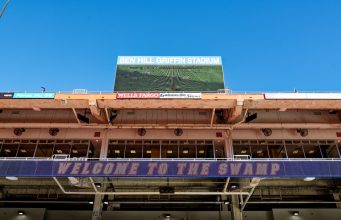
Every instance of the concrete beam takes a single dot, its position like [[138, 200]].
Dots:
[[95, 111], [236, 112]]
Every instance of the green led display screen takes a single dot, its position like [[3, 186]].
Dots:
[[169, 74]]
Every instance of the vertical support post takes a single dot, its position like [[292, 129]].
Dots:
[[228, 144], [337, 198], [97, 208], [104, 145], [236, 213], [98, 205]]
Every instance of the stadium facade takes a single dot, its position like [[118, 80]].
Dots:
[[170, 155]]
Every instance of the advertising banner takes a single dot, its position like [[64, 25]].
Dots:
[[180, 95], [138, 95], [34, 95], [181, 168], [6, 95]]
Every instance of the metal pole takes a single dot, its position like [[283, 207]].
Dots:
[[4, 8]]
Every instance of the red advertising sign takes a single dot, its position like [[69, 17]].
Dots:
[[138, 95]]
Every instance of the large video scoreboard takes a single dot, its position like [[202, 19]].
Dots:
[[169, 73]]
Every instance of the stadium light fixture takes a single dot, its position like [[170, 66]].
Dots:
[[295, 213], [233, 186], [243, 152], [98, 185], [12, 178], [91, 202], [226, 202], [20, 212], [307, 179]]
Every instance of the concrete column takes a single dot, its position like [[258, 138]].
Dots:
[[98, 205], [97, 208], [228, 144], [236, 213], [337, 198], [104, 145]]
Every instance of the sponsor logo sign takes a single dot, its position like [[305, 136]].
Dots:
[[6, 95], [138, 95], [180, 95], [157, 95], [191, 169], [34, 95]]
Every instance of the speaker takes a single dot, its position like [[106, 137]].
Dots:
[[303, 132], [267, 132], [178, 132], [53, 131], [141, 132], [19, 131]]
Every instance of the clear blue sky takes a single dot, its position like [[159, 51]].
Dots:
[[266, 45]]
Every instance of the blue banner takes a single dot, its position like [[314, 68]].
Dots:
[[192, 169], [34, 95]]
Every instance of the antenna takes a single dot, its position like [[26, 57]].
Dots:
[[4, 8]]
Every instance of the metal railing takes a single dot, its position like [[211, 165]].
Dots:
[[166, 159], [220, 91]]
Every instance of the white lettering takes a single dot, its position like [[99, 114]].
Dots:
[[63, 167], [222, 169], [76, 168], [248, 171], [262, 169], [235, 168], [97, 168], [121, 168], [133, 168], [274, 168]]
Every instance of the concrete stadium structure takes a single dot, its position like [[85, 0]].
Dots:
[[139, 156]]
